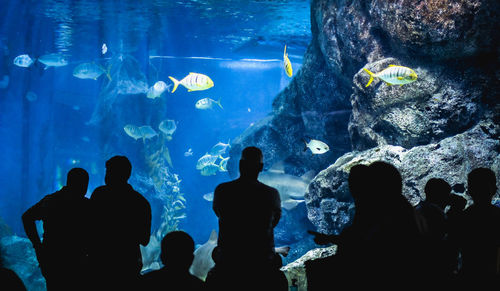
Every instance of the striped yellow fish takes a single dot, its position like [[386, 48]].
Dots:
[[288, 65], [193, 82], [393, 75]]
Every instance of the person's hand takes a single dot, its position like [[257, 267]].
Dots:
[[321, 238]]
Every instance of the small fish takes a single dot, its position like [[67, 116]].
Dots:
[[249, 110], [220, 148], [393, 75], [31, 97], [23, 61], [223, 164], [168, 127], [207, 103], [157, 89], [210, 170], [193, 82], [206, 160], [53, 60], [188, 153], [209, 196], [316, 146], [104, 49], [287, 64], [89, 71], [136, 132]]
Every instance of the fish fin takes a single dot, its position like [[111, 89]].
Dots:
[[284, 53], [305, 145], [400, 78], [176, 83], [213, 236], [371, 76], [278, 167], [109, 76], [389, 84], [392, 66], [189, 90], [308, 176], [218, 103]]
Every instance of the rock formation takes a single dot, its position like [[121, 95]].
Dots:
[[442, 125]]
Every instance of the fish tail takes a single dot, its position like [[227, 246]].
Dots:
[[218, 103], [109, 76], [305, 145], [371, 77], [108, 72], [176, 83]]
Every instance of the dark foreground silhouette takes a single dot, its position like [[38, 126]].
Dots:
[[62, 255], [121, 222], [248, 211], [177, 249], [9, 280]]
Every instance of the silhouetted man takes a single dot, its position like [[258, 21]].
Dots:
[[480, 231], [177, 248], [121, 223], [248, 211], [63, 253]]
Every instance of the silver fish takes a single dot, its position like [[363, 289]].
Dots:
[[53, 60], [203, 261], [206, 160], [316, 146], [167, 126], [89, 71], [219, 149], [207, 103], [23, 61]]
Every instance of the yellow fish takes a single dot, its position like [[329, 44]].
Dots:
[[193, 82], [393, 75], [288, 65]]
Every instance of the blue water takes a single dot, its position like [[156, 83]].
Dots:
[[46, 115]]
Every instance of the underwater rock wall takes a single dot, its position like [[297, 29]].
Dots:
[[442, 125]]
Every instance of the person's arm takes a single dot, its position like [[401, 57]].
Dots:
[[146, 234], [29, 217], [276, 208]]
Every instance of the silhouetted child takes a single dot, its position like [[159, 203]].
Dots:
[[480, 232], [121, 223], [177, 249], [434, 230], [248, 211], [62, 254], [454, 218]]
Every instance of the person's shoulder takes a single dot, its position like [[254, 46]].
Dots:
[[139, 197], [225, 185], [98, 191], [268, 188], [196, 283]]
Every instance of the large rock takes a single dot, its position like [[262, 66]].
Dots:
[[296, 270], [18, 255], [439, 104], [329, 203]]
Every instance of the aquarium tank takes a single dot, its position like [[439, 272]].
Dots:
[[181, 87]]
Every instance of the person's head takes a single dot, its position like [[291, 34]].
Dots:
[[481, 185], [385, 179], [251, 162], [177, 250], [357, 181], [118, 170], [437, 191], [78, 181]]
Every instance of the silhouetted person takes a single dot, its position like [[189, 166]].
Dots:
[[341, 269], [247, 211], [455, 221], [434, 230], [480, 231], [121, 223], [177, 249], [63, 253], [9, 280], [392, 252]]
